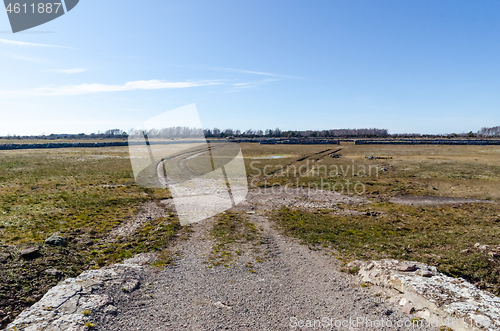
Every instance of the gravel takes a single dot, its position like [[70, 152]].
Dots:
[[291, 285]]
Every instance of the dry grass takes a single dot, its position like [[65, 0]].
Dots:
[[440, 236], [457, 171], [81, 193]]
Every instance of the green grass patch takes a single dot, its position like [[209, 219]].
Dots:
[[433, 235], [83, 193], [233, 234]]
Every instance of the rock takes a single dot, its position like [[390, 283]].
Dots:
[[481, 247], [424, 272], [408, 308], [63, 306], [438, 296], [384, 169], [354, 264], [56, 240], [465, 251], [30, 252], [131, 285], [53, 272], [493, 254], [481, 320], [407, 267], [425, 314], [110, 310], [221, 305]]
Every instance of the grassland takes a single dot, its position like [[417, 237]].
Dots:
[[83, 193], [443, 236], [80, 193], [440, 236], [457, 171]]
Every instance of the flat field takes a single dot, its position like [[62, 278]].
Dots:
[[441, 232], [85, 193]]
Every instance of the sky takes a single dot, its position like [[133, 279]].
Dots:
[[407, 66]]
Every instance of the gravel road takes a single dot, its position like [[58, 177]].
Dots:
[[293, 284]]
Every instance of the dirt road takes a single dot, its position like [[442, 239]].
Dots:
[[291, 285]]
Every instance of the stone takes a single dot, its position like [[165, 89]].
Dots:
[[425, 314], [407, 267], [219, 304], [56, 240], [354, 264], [30, 252], [131, 285], [408, 308], [465, 251], [481, 320], [110, 310], [425, 273], [62, 307], [53, 272], [481, 247], [493, 254], [440, 295], [94, 302]]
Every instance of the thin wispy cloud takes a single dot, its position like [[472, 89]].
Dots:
[[25, 44], [70, 71], [82, 89], [252, 72], [236, 87]]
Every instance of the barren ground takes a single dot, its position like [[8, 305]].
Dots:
[[291, 281]]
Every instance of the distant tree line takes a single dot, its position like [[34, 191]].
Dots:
[[112, 133], [489, 132], [186, 132], [172, 132], [337, 133]]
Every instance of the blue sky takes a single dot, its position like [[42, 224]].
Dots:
[[408, 66]]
